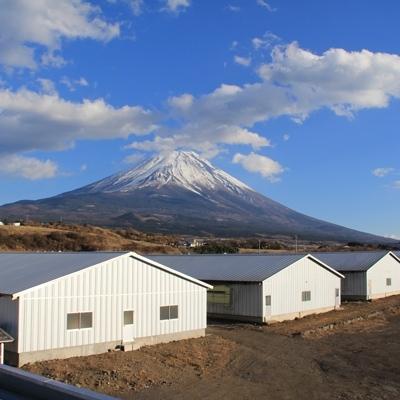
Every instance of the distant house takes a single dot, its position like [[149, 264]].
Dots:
[[59, 305], [197, 243], [1, 223], [262, 288], [368, 275]]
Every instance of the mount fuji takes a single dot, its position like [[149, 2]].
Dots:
[[180, 193]]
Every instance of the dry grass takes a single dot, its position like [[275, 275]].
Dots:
[[59, 237]]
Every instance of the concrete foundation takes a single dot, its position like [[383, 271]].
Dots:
[[300, 314], [19, 359], [374, 296], [269, 320], [382, 295]]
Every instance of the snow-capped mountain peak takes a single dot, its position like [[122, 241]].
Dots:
[[185, 169]]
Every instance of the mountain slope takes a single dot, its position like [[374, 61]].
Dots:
[[180, 193]]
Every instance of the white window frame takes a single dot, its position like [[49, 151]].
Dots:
[[306, 295], [80, 317], [169, 312], [133, 317]]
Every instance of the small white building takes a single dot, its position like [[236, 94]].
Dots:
[[262, 288], [197, 243], [369, 275], [1, 223], [59, 305]]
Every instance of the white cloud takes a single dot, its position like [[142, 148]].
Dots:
[[244, 61], [338, 79], [233, 8], [47, 86], [391, 236], [265, 166], [396, 184], [38, 121], [134, 158], [295, 83], [266, 41], [136, 6], [267, 6], [176, 6], [258, 43], [205, 141], [182, 102], [83, 167], [72, 84], [286, 137], [27, 167], [381, 172], [52, 60], [26, 24]]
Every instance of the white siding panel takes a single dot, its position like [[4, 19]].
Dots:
[[286, 287], [387, 267], [107, 290]]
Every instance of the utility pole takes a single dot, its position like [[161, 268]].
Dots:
[[259, 246], [295, 236]]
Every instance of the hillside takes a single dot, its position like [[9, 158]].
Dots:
[[64, 237], [181, 193], [60, 237]]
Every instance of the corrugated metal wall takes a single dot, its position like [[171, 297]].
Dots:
[[354, 284], [9, 319], [286, 288], [107, 290], [387, 267], [245, 300]]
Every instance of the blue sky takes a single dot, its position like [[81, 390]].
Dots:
[[300, 100]]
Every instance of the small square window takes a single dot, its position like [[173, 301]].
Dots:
[[86, 320], [267, 300], [173, 312], [168, 312], [128, 317], [73, 321], [79, 320], [164, 313], [337, 292], [306, 295], [388, 281]]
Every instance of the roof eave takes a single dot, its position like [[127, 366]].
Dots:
[[393, 254]]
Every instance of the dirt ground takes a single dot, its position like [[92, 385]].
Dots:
[[351, 354]]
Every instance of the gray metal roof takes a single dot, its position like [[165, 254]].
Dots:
[[351, 260], [235, 268], [21, 271], [17, 384]]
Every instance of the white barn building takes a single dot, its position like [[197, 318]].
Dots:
[[59, 305], [262, 288], [368, 275]]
